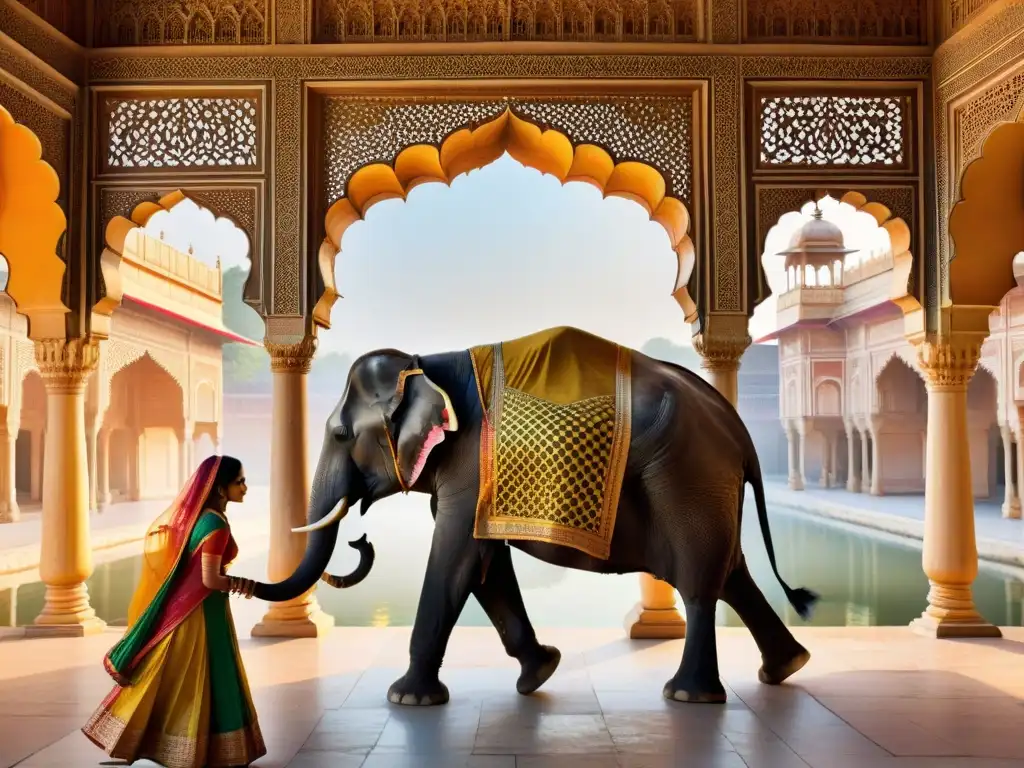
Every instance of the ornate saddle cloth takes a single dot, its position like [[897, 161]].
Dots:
[[554, 440]]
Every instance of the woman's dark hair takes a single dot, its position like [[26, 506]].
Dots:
[[227, 472]]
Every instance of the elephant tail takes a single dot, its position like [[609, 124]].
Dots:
[[801, 599]]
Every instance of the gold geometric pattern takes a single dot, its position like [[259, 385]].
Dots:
[[181, 22], [553, 459]]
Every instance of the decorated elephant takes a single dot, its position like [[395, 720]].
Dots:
[[571, 448]]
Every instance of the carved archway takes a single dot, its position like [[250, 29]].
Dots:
[[546, 150], [119, 227], [895, 227], [986, 225], [31, 226]]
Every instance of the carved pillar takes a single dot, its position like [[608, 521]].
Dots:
[[833, 460], [9, 510], [1019, 461], [852, 459], [134, 463], [289, 488], [950, 556], [65, 557], [866, 469], [37, 447], [186, 465], [827, 466], [103, 468], [877, 488], [796, 477], [1011, 504], [801, 455], [91, 438]]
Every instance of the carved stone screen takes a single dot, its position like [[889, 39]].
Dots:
[[656, 130], [181, 22], [892, 22], [833, 131], [203, 132], [359, 21]]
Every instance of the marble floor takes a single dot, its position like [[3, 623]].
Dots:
[[870, 698]]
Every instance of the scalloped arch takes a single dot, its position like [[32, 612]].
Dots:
[[31, 226], [116, 233], [899, 238], [986, 225], [903, 354], [544, 149]]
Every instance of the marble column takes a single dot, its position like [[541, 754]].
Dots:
[[877, 488], [833, 460], [91, 438], [852, 459], [1011, 504], [289, 491], [185, 463], [103, 468], [950, 553], [65, 557], [37, 449], [866, 470], [1019, 462], [9, 510], [796, 475]]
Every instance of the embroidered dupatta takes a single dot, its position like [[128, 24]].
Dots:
[[171, 584]]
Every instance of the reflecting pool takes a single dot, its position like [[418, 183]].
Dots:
[[863, 579]]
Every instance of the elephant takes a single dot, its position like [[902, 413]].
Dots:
[[410, 423]]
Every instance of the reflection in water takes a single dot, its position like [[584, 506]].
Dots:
[[862, 580]]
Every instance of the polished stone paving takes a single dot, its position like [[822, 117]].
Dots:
[[870, 697]]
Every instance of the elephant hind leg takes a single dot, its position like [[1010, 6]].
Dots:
[[499, 595], [781, 654], [698, 680]]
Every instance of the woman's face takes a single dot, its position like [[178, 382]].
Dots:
[[237, 489]]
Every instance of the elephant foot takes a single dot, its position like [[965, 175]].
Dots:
[[690, 693], [774, 673], [537, 668], [418, 691]]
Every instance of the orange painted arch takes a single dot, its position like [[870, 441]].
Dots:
[[31, 225], [987, 223], [545, 150]]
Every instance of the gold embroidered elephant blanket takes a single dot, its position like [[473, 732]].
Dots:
[[555, 438]]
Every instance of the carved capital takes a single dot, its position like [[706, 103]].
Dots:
[[721, 353], [291, 358], [948, 364], [65, 365]]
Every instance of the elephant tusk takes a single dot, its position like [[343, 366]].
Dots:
[[327, 520]]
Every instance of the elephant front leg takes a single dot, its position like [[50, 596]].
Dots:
[[453, 564], [697, 680], [501, 599]]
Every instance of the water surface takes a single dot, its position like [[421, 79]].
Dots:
[[863, 579]]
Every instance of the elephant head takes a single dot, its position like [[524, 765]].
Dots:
[[376, 443]]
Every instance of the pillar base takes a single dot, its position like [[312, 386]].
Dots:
[[66, 613], [796, 484], [951, 613], [298, 619], [853, 486], [927, 625], [654, 624], [11, 513], [1010, 511]]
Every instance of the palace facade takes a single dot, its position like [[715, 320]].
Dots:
[[156, 392], [719, 117]]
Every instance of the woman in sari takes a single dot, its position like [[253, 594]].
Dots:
[[182, 699]]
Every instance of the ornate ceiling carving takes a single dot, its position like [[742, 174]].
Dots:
[[885, 22], [67, 16], [360, 21], [181, 22]]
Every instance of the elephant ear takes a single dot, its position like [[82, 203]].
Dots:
[[421, 412]]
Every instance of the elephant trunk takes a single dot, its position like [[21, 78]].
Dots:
[[329, 489]]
